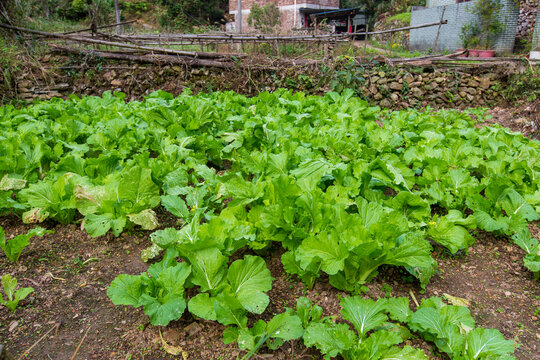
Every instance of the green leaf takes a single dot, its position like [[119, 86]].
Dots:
[[209, 268], [172, 278], [413, 207], [202, 305], [532, 262], [9, 284], [137, 186], [524, 240], [437, 327], [453, 237], [413, 252], [163, 310], [405, 353], [375, 345], [514, 204], [14, 296], [174, 181], [22, 293], [246, 340], [249, 279], [486, 222], [244, 192], [99, 225], [175, 205], [458, 315], [370, 212], [327, 248], [285, 326], [230, 335], [165, 238], [309, 173], [14, 247], [126, 290], [331, 340], [487, 343], [364, 314], [398, 309], [229, 311], [307, 312]]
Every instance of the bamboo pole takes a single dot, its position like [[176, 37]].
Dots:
[[148, 58], [117, 44], [265, 37], [100, 27], [366, 39], [439, 29]]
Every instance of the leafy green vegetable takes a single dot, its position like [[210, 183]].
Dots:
[[532, 249], [13, 295], [375, 338], [342, 187], [13, 247], [282, 327], [227, 294], [487, 344], [452, 329], [160, 291]]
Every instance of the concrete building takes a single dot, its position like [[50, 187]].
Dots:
[[458, 14], [293, 12]]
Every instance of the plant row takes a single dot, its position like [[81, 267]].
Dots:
[[343, 187]]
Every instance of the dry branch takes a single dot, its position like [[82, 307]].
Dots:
[[265, 38], [151, 59], [100, 27], [121, 45]]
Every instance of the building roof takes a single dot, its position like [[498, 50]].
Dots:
[[336, 13], [306, 10]]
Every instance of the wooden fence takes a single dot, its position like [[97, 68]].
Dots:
[[167, 48]]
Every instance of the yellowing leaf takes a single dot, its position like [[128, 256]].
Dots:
[[147, 219], [456, 300], [173, 350]]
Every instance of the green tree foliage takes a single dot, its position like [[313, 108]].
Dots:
[[265, 19], [488, 23], [188, 13], [376, 7]]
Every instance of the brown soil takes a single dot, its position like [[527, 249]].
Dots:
[[70, 272], [524, 118]]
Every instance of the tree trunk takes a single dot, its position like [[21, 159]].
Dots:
[[45, 4], [117, 14]]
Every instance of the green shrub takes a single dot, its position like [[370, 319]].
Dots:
[[403, 17], [265, 19]]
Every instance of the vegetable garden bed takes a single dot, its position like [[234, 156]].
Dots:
[[245, 205]]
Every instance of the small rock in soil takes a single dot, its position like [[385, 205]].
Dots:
[[193, 328]]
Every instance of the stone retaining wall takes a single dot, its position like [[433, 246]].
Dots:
[[436, 89], [384, 86]]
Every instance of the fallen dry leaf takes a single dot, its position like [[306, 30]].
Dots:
[[173, 350]]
